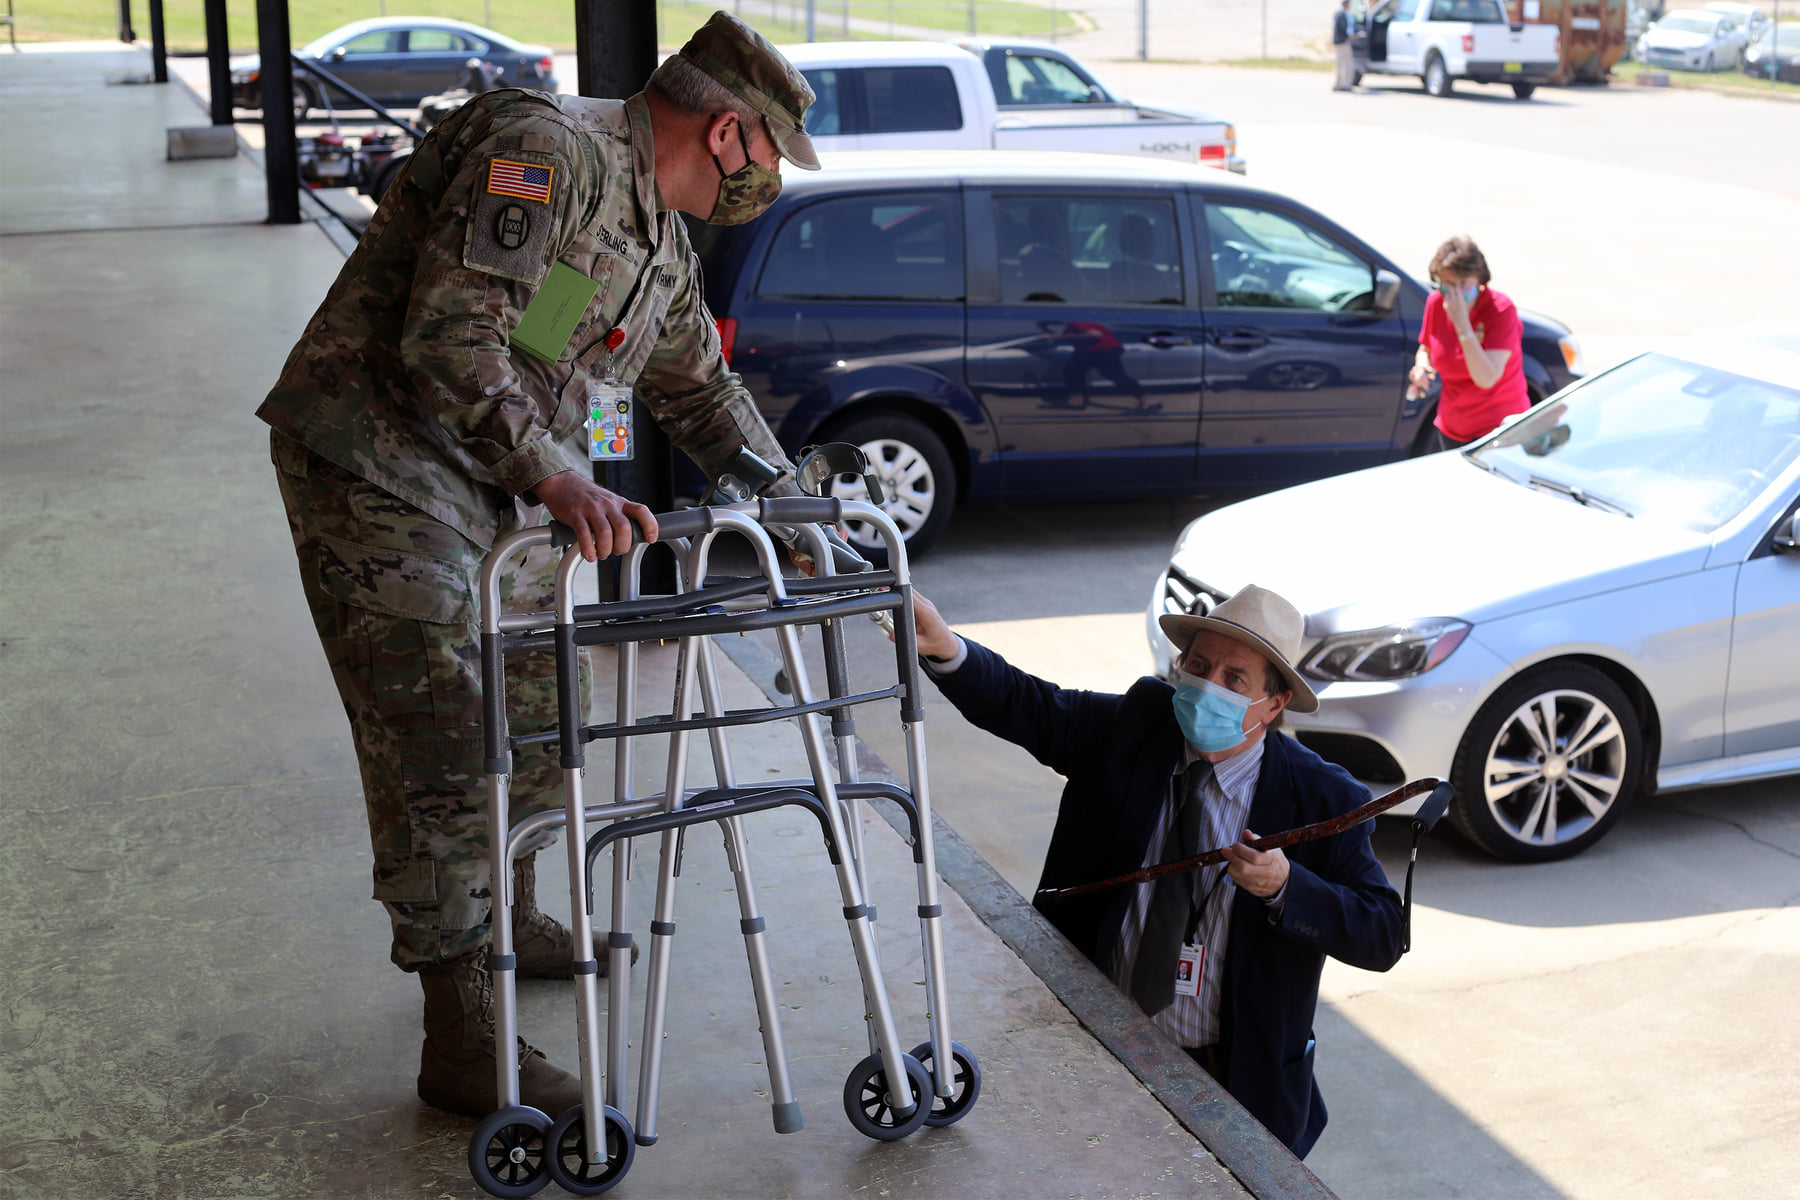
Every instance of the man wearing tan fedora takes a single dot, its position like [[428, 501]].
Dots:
[[1226, 959]]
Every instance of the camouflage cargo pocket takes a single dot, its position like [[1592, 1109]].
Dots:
[[404, 877], [396, 583]]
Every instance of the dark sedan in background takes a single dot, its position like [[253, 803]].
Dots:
[[1776, 55], [1013, 326], [398, 61]]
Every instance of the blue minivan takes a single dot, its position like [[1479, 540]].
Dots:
[[1018, 326]]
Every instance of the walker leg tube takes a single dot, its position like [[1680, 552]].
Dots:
[[662, 933], [618, 983], [931, 931], [843, 731], [856, 912], [662, 926], [786, 1109], [618, 980], [500, 953], [587, 968]]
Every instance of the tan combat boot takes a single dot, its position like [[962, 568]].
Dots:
[[456, 1066], [542, 943]]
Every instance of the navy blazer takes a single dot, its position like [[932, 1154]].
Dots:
[[1118, 754]]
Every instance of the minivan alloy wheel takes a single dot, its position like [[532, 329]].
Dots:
[[918, 483]]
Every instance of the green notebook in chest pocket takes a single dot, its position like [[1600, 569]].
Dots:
[[550, 319]]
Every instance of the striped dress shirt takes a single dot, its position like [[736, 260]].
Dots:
[[1225, 796]]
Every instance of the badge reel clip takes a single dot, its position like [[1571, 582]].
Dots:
[[609, 411]]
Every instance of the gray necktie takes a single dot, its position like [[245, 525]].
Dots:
[[1172, 902]]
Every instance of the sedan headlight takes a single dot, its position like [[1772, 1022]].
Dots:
[[1571, 352], [1395, 652]]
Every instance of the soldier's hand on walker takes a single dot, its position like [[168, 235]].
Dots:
[[1259, 872], [601, 519]]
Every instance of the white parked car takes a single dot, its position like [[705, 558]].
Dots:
[[1600, 598], [1692, 40], [1753, 21], [1019, 96]]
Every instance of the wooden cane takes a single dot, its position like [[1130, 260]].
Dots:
[[1304, 833]]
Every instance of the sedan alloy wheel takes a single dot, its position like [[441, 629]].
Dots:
[[1547, 764]]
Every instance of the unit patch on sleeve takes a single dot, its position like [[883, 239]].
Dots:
[[512, 226], [507, 236], [524, 180]]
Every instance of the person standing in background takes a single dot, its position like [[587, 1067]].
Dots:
[[1473, 340], [1340, 42]]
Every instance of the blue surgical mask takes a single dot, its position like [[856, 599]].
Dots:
[[1211, 717], [1470, 292]]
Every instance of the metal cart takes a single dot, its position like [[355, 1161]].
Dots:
[[516, 1150]]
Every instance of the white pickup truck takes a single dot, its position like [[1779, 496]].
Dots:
[[984, 96], [1442, 41]]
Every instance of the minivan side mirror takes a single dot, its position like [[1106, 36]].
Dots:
[[1387, 291]]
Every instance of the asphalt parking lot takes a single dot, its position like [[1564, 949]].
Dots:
[[1616, 1025]]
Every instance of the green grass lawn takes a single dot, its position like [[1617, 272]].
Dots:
[[542, 21], [1717, 81]]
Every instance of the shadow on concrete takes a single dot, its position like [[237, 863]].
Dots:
[[1669, 856], [1389, 1126]]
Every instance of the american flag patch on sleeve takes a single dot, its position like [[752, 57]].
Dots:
[[520, 179]]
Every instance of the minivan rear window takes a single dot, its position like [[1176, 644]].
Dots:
[[878, 246], [910, 100]]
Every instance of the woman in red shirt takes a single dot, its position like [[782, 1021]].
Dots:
[[1472, 339]]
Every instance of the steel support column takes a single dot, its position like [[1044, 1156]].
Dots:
[[281, 166], [159, 44], [218, 61], [615, 48]]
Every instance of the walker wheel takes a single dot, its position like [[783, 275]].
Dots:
[[965, 1084], [867, 1105], [506, 1155], [569, 1164]]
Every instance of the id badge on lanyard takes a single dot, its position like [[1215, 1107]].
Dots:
[[1188, 965], [609, 414]]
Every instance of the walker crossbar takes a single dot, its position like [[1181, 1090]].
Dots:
[[716, 804], [711, 624], [666, 723], [752, 800]]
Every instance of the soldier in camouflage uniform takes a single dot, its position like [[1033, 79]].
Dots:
[[411, 431]]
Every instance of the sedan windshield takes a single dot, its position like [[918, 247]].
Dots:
[[1656, 438]]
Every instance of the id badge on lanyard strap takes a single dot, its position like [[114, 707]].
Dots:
[[1191, 961], [609, 411]]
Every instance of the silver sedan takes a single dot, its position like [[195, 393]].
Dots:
[[1601, 598]]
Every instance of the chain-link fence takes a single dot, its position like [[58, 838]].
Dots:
[[1196, 30]]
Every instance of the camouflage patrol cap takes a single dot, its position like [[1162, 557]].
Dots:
[[754, 71]]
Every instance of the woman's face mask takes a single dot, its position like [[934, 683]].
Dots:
[[1469, 290], [1211, 717], [746, 193]]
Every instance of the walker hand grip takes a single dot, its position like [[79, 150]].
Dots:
[[561, 536], [801, 510], [684, 522]]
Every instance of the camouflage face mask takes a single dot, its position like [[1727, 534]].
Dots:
[[744, 194]]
